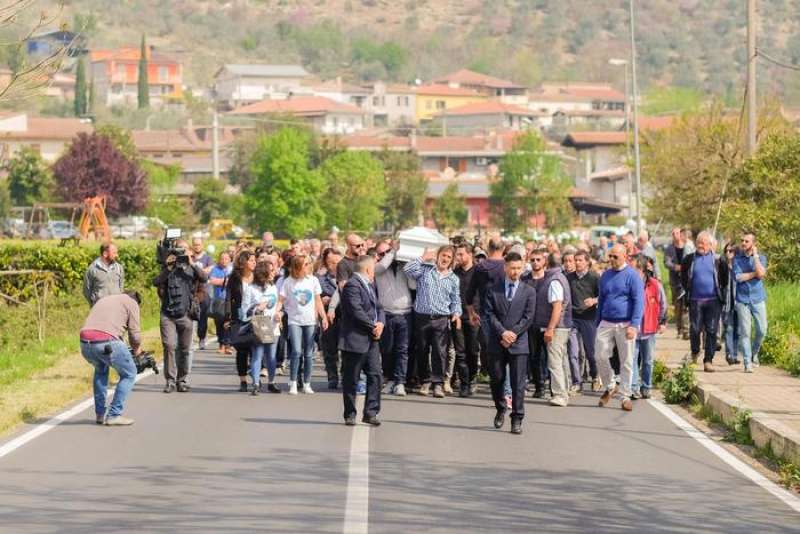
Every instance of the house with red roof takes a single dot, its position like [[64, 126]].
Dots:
[[576, 96], [115, 74], [436, 98], [505, 91], [323, 114], [48, 136]]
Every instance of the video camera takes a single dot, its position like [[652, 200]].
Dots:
[[145, 361], [168, 247]]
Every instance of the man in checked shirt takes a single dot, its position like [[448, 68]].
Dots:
[[438, 304]]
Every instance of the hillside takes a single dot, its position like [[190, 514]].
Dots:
[[692, 43]]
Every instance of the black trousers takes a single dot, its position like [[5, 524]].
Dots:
[[352, 365], [704, 317], [518, 366], [466, 343], [538, 357], [202, 321], [432, 334], [329, 342]]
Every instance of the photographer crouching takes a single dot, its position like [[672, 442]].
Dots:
[[177, 284], [102, 346]]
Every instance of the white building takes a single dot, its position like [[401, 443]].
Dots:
[[238, 85], [578, 96], [323, 114], [392, 104]]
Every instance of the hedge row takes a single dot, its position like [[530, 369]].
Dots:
[[69, 263]]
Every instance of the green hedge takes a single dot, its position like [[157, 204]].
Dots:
[[70, 263]]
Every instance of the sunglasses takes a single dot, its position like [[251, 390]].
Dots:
[[360, 245], [613, 256]]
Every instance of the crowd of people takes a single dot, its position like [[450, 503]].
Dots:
[[532, 319]]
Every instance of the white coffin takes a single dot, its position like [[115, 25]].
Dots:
[[414, 241]]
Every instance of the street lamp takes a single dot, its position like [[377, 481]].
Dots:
[[616, 62]]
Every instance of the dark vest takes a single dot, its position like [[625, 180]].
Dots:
[[543, 308]]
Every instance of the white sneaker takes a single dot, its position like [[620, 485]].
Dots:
[[307, 389], [388, 388], [559, 401], [292, 387], [400, 390]]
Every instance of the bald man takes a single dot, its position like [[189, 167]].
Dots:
[[620, 306], [355, 247]]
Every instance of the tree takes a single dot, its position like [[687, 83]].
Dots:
[[121, 139], [354, 191], [285, 194], [406, 188], [29, 180], [94, 166], [144, 85], [686, 166], [450, 211], [531, 182], [81, 98], [763, 196], [209, 199], [5, 199]]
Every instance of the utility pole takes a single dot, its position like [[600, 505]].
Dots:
[[639, 226], [215, 144], [751, 77]]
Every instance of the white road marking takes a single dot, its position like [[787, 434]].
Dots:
[[791, 500], [356, 512], [56, 420]]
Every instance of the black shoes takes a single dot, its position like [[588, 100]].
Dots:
[[333, 384], [272, 388], [371, 420], [465, 391], [255, 390], [350, 421], [516, 426], [169, 388], [243, 387], [183, 388], [498, 419], [538, 393]]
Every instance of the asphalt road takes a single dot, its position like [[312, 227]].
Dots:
[[216, 460]]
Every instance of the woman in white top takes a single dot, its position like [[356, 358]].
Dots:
[[261, 298], [300, 296]]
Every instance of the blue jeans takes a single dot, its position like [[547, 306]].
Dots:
[[729, 321], [122, 362], [645, 349], [746, 314], [301, 343], [394, 347], [257, 353]]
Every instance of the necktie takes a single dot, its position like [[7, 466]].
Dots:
[[510, 291]]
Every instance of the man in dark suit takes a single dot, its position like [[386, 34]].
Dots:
[[361, 323], [511, 305]]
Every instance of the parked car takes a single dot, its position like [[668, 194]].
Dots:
[[15, 228], [138, 227], [58, 230], [596, 232]]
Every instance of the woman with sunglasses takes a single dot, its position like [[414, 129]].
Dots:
[[729, 315], [300, 296]]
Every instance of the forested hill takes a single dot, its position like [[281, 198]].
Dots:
[[695, 43]]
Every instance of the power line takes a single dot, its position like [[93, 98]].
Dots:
[[779, 63]]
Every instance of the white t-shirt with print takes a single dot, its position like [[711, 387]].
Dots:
[[254, 295], [299, 300]]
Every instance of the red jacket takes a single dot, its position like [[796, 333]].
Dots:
[[655, 307]]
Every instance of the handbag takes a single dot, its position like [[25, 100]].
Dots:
[[218, 309], [242, 334], [263, 328]]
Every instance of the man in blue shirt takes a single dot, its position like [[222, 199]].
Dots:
[[620, 306], [438, 303], [703, 276], [749, 270]]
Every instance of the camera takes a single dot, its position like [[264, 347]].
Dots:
[[168, 247], [145, 361]]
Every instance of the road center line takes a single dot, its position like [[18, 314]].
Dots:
[[356, 512], [57, 419], [788, 498]]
